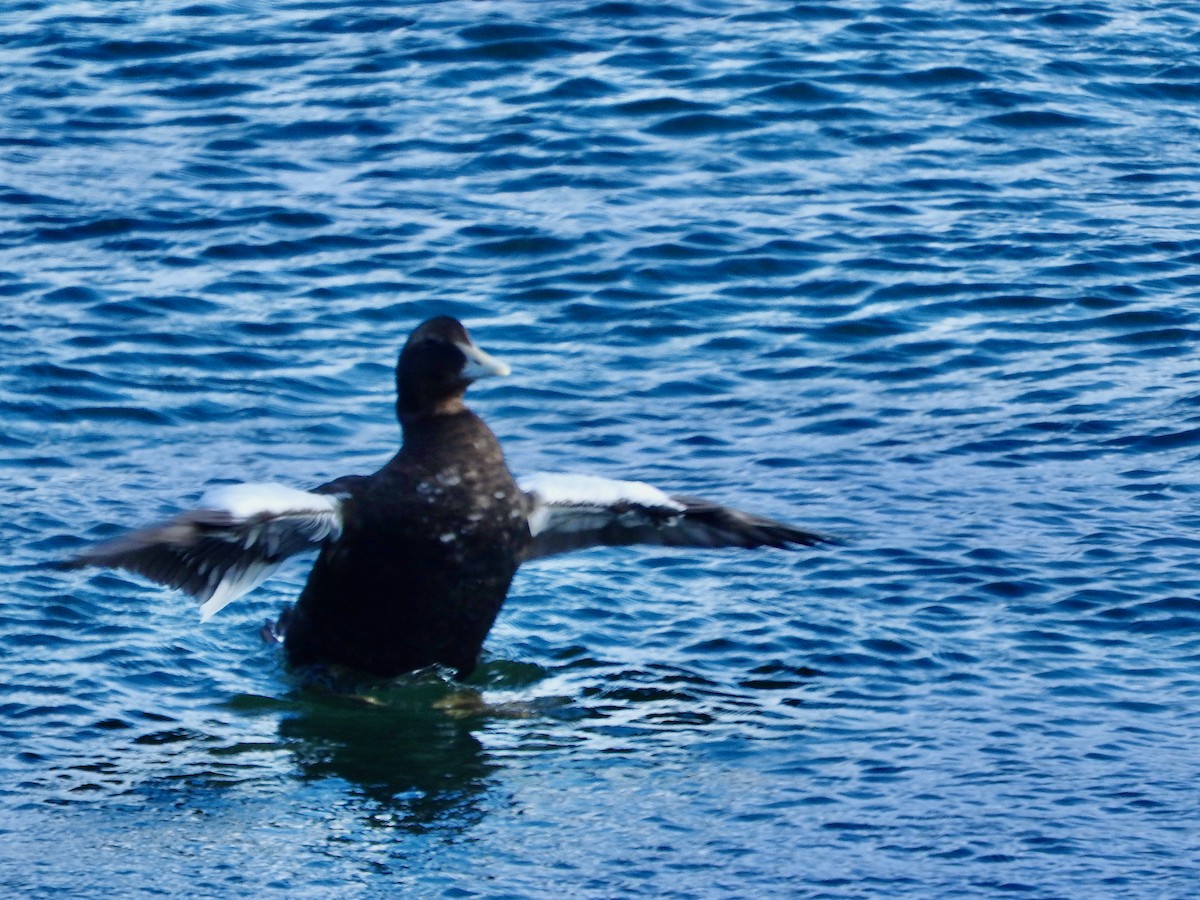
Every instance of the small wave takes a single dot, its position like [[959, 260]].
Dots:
[[1040, 119]]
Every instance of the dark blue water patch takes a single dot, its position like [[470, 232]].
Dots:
[[1036, 120], [1161, 441], [23, 198], [357, 23], [946, 185], [117, 51], [1170, 92], [1074, 20], [526, 245], [207, 120], [201, 91], [105, 117], [527, 50], [657, 106], [105, 227], [266, 60], [312, 129], [210, 171], [571, 89], [799, 93], [746, 265], [674, 252], [488, 32], [79, 382], [298, 219], [945, 76], [504, 162], [157, 73], [501, 56], [112, 415], [288, 248], [699, 124], [75, 295], [143, 246]]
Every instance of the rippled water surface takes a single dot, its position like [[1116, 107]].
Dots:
[[922, 275]]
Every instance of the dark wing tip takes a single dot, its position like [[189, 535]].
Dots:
[[798, 537], [829, 540], [732, 527]]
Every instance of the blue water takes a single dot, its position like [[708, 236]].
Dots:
[[925, 276]]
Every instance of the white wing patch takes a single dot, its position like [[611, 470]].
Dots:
[[557, 492], [266, 499]]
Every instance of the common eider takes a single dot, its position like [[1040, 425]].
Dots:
[[416, 559]]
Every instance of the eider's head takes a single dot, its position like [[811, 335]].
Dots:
[[437, 363]]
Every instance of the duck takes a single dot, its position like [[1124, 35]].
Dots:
[[414, 562]]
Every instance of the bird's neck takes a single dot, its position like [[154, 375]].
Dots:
[[439, 426], [410, 409]]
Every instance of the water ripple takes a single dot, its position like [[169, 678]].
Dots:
[[920, 276]]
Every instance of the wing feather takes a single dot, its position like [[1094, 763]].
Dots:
[[570, 512], [240, 535]]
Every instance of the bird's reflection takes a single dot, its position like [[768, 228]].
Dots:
[[408, 748]]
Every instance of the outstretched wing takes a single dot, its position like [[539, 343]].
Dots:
[[239, 535], [570, 512]]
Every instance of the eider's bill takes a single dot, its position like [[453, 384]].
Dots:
[[480, 364]]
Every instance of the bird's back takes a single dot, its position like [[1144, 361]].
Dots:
[[430, 546]]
